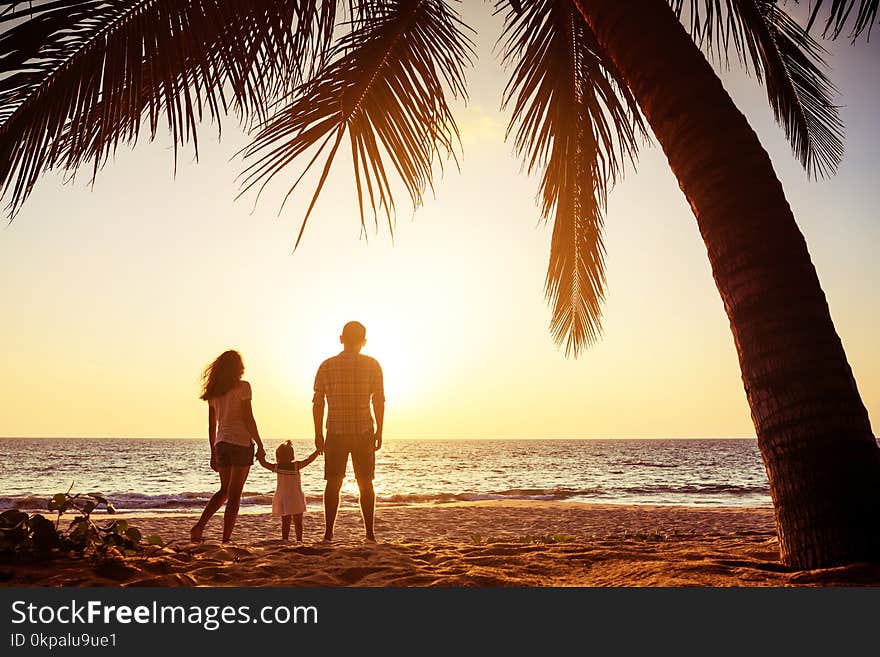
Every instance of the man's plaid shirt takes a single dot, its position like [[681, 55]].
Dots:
[[348, 381]]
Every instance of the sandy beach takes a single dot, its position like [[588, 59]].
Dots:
[[525, 544]]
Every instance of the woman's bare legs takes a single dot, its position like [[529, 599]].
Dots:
[[238, 474], [298, 526], [285, 527], [213, 505]]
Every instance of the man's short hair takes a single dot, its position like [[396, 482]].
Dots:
[[354, 333]]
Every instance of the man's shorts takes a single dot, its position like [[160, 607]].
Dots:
[[363, 455], [228, 455]]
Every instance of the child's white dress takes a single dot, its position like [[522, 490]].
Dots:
[[289, 499]]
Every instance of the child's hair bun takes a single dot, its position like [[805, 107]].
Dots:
[[289, 443]]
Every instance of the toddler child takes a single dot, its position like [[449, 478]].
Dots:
[[289, 501]]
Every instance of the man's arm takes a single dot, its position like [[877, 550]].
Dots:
[[318, 416], [379, 412], [318, 409], [379, 405]]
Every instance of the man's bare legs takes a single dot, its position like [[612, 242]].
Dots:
[[213, 506], [331, 505], [237, 476], [368, 505]]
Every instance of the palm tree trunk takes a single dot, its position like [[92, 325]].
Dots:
[[821, 457]]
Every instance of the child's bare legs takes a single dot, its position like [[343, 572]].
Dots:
[[297, 525]]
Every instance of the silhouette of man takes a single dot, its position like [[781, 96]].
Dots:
[[348, 382]]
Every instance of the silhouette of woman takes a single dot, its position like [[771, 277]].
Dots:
[[232, 432]]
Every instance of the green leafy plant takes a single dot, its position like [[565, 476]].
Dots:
[[21, 533], [34, 534]]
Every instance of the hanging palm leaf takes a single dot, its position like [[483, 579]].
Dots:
[[840, 13], [78, 78], [384, 85], [788, 61], [575, 120]]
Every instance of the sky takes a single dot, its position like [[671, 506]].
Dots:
[[114, 298]]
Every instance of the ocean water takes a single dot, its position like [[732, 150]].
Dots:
[[161, 475]]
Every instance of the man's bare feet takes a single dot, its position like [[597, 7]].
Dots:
[[195, 534]]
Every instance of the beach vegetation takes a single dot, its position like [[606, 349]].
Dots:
[[24, 534], [590, 79]]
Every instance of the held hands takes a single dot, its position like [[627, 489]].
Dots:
[[377, 441], [319, 443], [214, 462]]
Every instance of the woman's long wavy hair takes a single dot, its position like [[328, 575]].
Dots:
[[221, 376]]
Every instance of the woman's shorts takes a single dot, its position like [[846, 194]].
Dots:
[[228, 455]]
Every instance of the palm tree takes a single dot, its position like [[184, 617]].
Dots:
[[83, 76], [815, 438]]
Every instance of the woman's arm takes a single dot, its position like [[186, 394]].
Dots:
[[212, 434], [306, 461], [250, 423]]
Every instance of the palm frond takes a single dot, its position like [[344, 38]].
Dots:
[[788, 61], [78, 78], [840, 13], [577, 121], [384, 85]]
